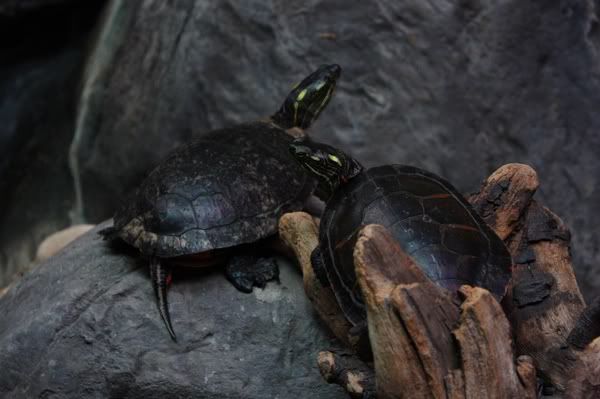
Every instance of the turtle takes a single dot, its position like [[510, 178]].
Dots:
[[222, 191], [433, 223]]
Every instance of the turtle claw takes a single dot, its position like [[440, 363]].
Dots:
[[242, 284], [161, 277], [246, 272]]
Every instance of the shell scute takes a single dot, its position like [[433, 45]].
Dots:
[[378, 212], [171, 214], [447, 211], [465, 241], [404, 205], [213, 210]]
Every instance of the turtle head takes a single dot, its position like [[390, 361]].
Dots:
[[308, 98], [329, 165]]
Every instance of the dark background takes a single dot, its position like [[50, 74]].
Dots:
[[93, 94]]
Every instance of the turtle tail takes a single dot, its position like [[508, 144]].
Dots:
[[159, 275], [109, 233]]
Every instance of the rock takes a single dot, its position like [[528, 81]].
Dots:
[[85, 324], [458, 88], [15, 8], [57, 241], [40, 67]]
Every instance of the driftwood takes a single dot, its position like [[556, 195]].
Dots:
[[347, 370], [56, 241], [300, 232], [426, 343], [544, 303]]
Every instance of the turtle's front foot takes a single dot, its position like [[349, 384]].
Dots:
[[245, 272]]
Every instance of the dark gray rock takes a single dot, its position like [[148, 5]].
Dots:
[[458, 88], [15, 8], [34, 174], [85, 324], [40, 66]]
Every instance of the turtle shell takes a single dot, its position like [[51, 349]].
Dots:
[[227, 188], [433, 223]]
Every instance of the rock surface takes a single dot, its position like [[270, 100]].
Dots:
[[458, 88], [85, 324], [42, 57], [14, 8]]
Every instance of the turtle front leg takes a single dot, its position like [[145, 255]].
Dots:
[[247, 271], [316, 261], [160, 275]]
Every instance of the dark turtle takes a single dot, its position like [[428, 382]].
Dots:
[[227, 188], [434, 224]]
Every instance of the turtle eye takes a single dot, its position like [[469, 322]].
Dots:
[[320, 85]]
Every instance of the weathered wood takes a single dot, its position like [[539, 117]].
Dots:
[[299, 231], [545, 306], [587, 327], [410, 348], [55, 242], [346, 370], [504, 197], [545, 302], [423, 344], [487, 357], [584, 381]]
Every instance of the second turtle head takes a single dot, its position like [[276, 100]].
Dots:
[[329, 165], [308, 98]]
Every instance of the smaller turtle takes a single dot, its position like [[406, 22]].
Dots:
[[223, 190], [434, 224]]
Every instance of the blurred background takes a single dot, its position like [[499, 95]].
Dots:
[[93, 94]]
